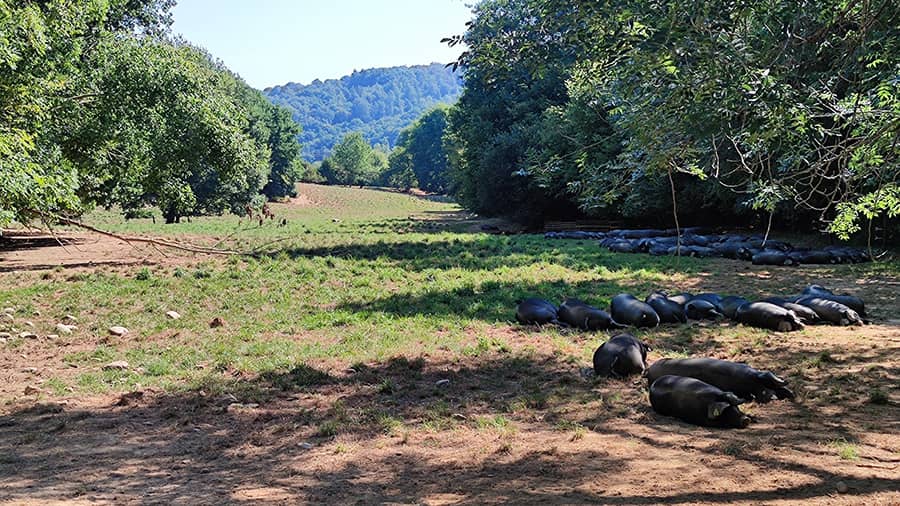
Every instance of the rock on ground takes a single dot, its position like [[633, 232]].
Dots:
[[119, 365], [62, 328]]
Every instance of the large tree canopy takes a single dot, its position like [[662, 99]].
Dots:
[[353, 162], [97, 106], [420, 158], [794, 106]]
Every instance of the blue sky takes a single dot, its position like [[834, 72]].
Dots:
[[270, 42]]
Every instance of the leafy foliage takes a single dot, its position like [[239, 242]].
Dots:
[[354, 162], [164, 129], [514, 70], [38, 45], [791, 105], [376, 102], [420, 158], [99, 107]]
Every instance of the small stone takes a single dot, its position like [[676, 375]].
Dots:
[[5, 335], [442, 382], [28, 335], [7, 318], [306, 446], [36, 313], [129, 398], [52, 336], [216, 322], [30, 370], [29, 324], [235, 406], [118, 331], [460, 416], [173, 315], [2, 340], [118, 365], [69, 319], [9, 310], [30, 390], [841, 487], [62, 328]]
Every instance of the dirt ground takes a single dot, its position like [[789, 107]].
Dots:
[[506, 426]]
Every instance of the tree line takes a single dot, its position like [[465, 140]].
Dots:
[[717, 112], [722, 111], [100, 105], [420, 159]]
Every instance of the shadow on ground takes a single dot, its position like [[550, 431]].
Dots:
[[493, 252], [425, 430]]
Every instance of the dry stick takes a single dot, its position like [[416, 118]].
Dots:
[[675, 213], [147, 240], [58, 241], [768, 228], [772, 212]]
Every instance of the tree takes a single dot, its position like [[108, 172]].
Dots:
[[353, 162], [286, 167], [793, 103], [399, 173], [166, 127], [420, 156], [37, 49], [794, 106], [515, 67], [98, 106]]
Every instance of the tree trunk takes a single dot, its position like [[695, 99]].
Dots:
[[171, 215]]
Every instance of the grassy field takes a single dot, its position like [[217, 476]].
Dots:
[[368, 354]]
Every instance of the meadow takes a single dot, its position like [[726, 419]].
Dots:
[[366, 352]]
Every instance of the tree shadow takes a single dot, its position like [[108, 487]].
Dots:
[[24, 242], [492, 252], [489, 301], [274, 434]]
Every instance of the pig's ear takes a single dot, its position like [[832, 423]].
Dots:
[[770, 380], [733, 399], [715, 409]]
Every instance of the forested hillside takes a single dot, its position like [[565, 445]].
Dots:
[[379, 103]]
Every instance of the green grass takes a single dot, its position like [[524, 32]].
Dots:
[[845, 450], [360, 276]]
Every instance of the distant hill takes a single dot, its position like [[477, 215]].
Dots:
[[377, 102]]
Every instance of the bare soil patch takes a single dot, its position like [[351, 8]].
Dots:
[[498, 428], [79, 251]]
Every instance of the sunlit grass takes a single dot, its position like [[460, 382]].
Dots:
[[360, 275]]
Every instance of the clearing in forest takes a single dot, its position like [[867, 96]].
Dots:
[[369, 355]]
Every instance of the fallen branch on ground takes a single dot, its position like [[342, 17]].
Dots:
[[153, 241], [193, 248]]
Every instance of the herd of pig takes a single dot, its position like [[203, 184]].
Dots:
[[695, 243], [816, 304], [702, 391]]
